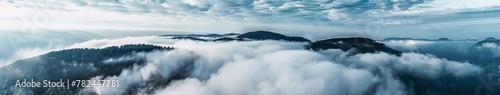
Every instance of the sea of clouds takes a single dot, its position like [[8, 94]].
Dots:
[[269, 68], [16, 45]]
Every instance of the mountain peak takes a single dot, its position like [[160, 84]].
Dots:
[[490, 39], [396, 39], [358, 44], [267, 35], [443, 39]]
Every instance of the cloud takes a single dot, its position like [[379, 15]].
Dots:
[[407, 45], [453, 6], [25, 44], [209, 58], [354, 17], [275, 67], [102, 43], [123, 59], [491, 50], [251, 11], [271, 75], [419, 65], [460, 51], [163, 64], [20, 45]]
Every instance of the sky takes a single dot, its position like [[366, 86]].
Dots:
[[33, 27], [313, 19]]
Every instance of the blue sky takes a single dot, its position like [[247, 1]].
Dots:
[[314, 19]]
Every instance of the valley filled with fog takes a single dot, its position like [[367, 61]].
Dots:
[[250, 47], [258, 62]]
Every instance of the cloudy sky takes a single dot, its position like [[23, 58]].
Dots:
[[455, 19]]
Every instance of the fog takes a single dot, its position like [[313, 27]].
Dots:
[[274, 67]]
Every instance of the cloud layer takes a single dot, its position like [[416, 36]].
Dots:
[[356, 17], [275, 67], [17, 45], [246, 10], [20, 45]]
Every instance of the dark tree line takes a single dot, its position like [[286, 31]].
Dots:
[[73, 64]]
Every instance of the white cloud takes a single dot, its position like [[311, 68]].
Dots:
[[270, 75], [489, 45], [241, 16], [20, 45], [190, 86], [433, 67], [454, 6], [102, 43], [419, 65], [274, 67], [492, 50], [128, 11], [408, 45], [162, 63]]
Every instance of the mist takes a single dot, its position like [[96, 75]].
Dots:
[[274, 67]]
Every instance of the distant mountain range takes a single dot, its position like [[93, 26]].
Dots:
[[356, 44], [71, 63], [256, 35], [202, 35], [422, 39], [482, 52]]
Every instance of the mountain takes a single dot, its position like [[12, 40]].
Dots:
[[357, 44], [73, 64], [485, 51], [12, 42], [486, 47], [203, 35], [190, 38], [423, 39], [396, 39], [84, 64], [228, 39], [443, 39], [489, 40], [255, 35], [404, 39], [266, 35], [468, 40]]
